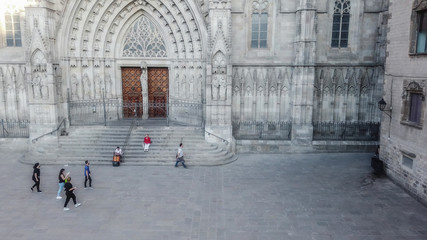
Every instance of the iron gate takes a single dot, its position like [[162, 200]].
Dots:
[[14, 128], [110, 111]]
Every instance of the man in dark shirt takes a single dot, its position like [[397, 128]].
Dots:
[[70, 194]]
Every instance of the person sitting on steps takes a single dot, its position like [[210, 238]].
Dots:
[[118, 152]]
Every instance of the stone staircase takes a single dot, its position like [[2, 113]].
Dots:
[[97, 144]]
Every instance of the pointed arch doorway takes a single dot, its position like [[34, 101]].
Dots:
[[133, 93]]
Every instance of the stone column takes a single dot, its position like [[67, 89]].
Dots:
[[2, 97], [144, 87], [43, 103], [305, 49], [218, 75]]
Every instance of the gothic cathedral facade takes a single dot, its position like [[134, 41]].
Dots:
[[264, 75]]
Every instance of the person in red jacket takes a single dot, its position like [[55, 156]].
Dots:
[[147, 142]]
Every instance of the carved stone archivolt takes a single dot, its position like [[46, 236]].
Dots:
[[414, 86], [103, 19], [163, 30], [419, 5]]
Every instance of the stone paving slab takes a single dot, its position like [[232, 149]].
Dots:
[[259, 197]]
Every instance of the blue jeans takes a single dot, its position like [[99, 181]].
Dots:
[[61, 187], [180, 160]]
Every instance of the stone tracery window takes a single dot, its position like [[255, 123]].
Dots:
[[341, 23], [144, 40], [259, 24]]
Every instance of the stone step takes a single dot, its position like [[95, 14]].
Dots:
[[97, 144]]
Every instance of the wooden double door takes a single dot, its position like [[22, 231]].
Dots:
[[158, 91]]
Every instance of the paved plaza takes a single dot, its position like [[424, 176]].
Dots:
[[264, 197]]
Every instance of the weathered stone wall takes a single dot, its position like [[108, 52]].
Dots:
[[76, 49], [13, 94], [299, 77], [402, 144]]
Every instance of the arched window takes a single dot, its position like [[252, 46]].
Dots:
[[259, 24], [144, 40], [341, 23], [13, 30]]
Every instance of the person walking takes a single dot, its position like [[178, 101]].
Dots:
[[69, 192], [147, 142], [87, 175], [180, 156], [61, 178], [36, 177]]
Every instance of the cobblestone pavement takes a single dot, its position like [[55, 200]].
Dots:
[[289, 196]]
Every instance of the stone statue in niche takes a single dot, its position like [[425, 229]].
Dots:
[[101, 86], [222, 88], [192, 87], [143, 78], [199, 87], [35, 85], [87, 85], [188, 88], [108, 84], [44, 88], [215, 86], [183, 88], [74, 88], [177, 85]]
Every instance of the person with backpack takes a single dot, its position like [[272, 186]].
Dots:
[[61, 179]]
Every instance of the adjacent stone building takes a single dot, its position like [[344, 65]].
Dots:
[[263, 75], [403, 125]]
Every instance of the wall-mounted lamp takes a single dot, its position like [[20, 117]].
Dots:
[[381, 105]]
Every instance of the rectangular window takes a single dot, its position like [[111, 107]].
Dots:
[[415, 108], [13, 30], [259, 30], [407, 162], [422, 33]]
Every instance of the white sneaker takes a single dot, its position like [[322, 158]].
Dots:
[[77, 204], [66, 209], [58, 197]]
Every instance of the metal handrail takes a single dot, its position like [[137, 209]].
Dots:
[[51, 132], [126, 142], [4, 129], [223, 140]]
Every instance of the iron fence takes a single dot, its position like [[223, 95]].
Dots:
[[14, 129], [87, 112], [108, 111], [255, 130], [356, 131]]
